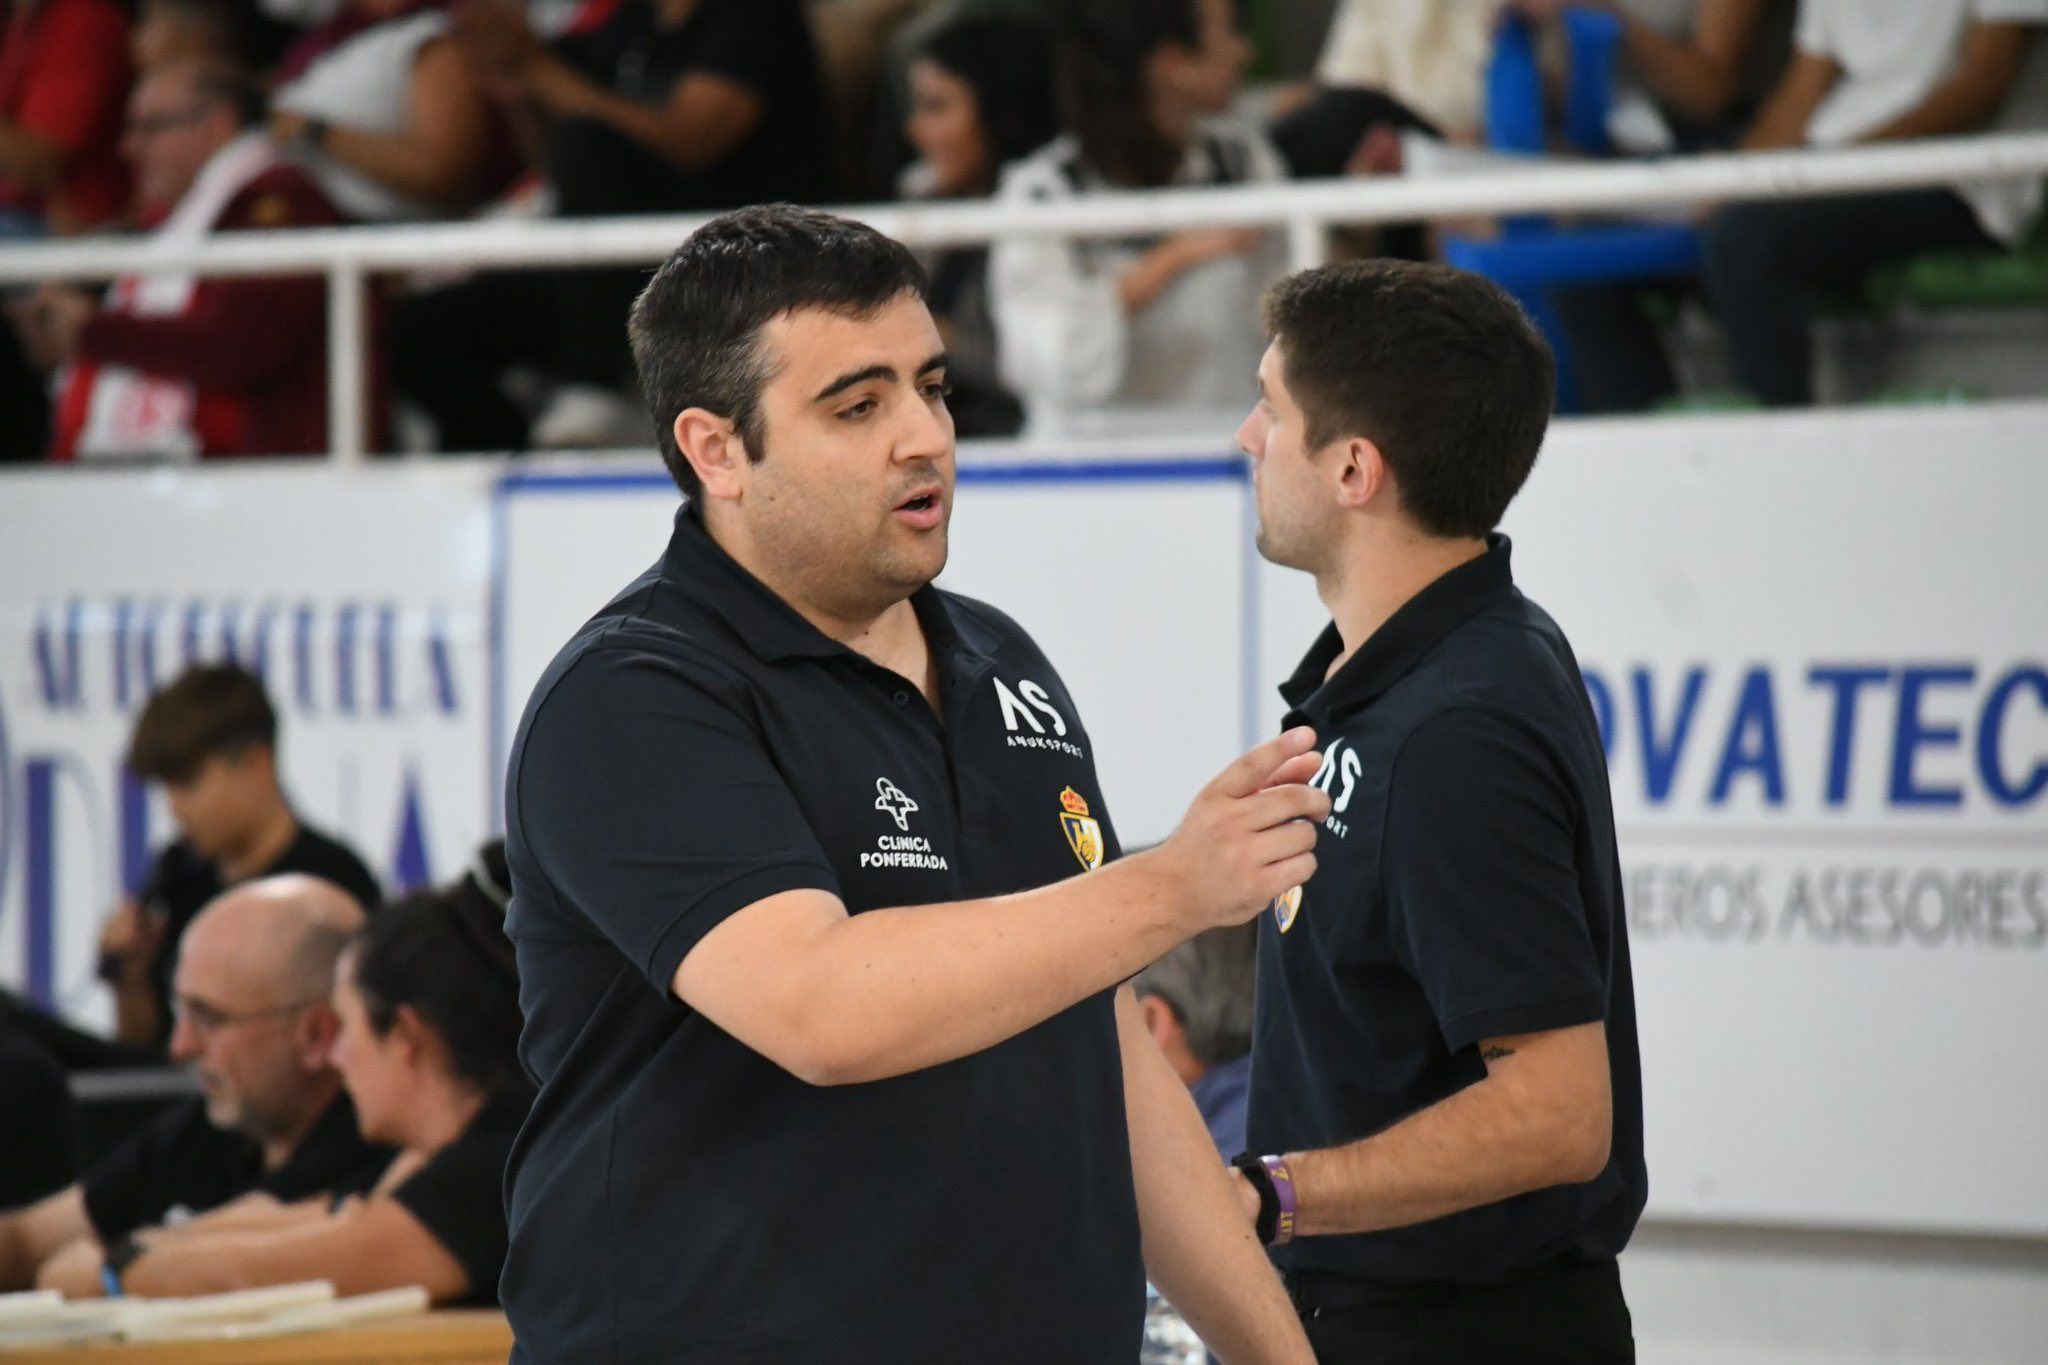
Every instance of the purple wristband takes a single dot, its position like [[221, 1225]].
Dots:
[[1283, 1193]]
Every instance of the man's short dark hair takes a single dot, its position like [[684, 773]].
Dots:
[[1437, 367], [209, 710], [1208, 984], [696, 327]]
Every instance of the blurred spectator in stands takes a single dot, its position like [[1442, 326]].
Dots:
[[380, 106], [1197, 1001], [39, 1141], [428, 999], [854, 40], [168, 366], [1688, 73], [1387, 67], [167, 32], [1862, 71], [210, 737], [255, 1026], [63, 77], [1123, 328], [648, 106], [981, 96]]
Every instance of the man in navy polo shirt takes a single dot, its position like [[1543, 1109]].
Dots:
[[1446, 1109], [832, 1056]]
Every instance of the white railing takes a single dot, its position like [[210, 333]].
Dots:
[[1305, 210]]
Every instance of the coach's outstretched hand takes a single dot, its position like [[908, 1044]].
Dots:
[[1249, 836]]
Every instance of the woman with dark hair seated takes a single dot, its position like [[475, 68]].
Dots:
[[981, 96], [429, 1003], [1151, 326]]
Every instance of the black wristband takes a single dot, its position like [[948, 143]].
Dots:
[[1269, 1199]]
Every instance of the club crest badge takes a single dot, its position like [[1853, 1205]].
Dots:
[[1285, 908], [1083, 831]]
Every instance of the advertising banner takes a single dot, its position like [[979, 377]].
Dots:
[[361, 601]]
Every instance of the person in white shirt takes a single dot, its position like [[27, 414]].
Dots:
[[1865, 71], [1872, 71], [384, 112], [1110, 333]]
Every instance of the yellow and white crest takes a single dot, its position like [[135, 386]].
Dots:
[[1285, 908], [1083, 831]]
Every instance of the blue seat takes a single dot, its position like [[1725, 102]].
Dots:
[[1533, 253]]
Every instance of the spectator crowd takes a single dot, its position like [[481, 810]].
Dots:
[[353, 1061], [186, 118]]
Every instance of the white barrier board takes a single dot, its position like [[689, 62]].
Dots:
[[1818, 643]]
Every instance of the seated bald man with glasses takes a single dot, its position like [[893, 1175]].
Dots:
[[271, 1125]]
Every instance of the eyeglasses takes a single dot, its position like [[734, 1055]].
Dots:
[[205, 1020]]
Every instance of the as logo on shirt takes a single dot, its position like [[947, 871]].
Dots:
[[1285, 908], [1084, 833], [1022, 710], [1339, 778], [890, 798]]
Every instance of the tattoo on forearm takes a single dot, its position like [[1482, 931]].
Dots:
[[1496, 1052]]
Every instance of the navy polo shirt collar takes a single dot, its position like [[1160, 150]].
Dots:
[[770, 627], [1399, 644]]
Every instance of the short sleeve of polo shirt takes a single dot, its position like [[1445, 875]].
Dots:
[[1481, 884], [649, 798]]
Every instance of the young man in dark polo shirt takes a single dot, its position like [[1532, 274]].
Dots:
[[209, 736], [1446, 1107], [833, 1061], [254, 1027]]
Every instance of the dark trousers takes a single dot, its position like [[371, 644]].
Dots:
[[1762, 262], [1571, 1313]]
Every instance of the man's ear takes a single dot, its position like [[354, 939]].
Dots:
[[1361, 472], [715, 449], [314, 1037], [1160, 1020]]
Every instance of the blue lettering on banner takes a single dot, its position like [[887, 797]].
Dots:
[[1660, 757], [58, 673], [1847, 683], [1753, 742], [1991, 737], [1913, 733], [382, 663], [1985, 720]]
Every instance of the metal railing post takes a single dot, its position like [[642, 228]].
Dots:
[[348, 362], [1308, 243]]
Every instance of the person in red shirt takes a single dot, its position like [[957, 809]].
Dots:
[[172, 367], [63, 76]]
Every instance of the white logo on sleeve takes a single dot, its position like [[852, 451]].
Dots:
[[1028, 713], [890, 798]]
